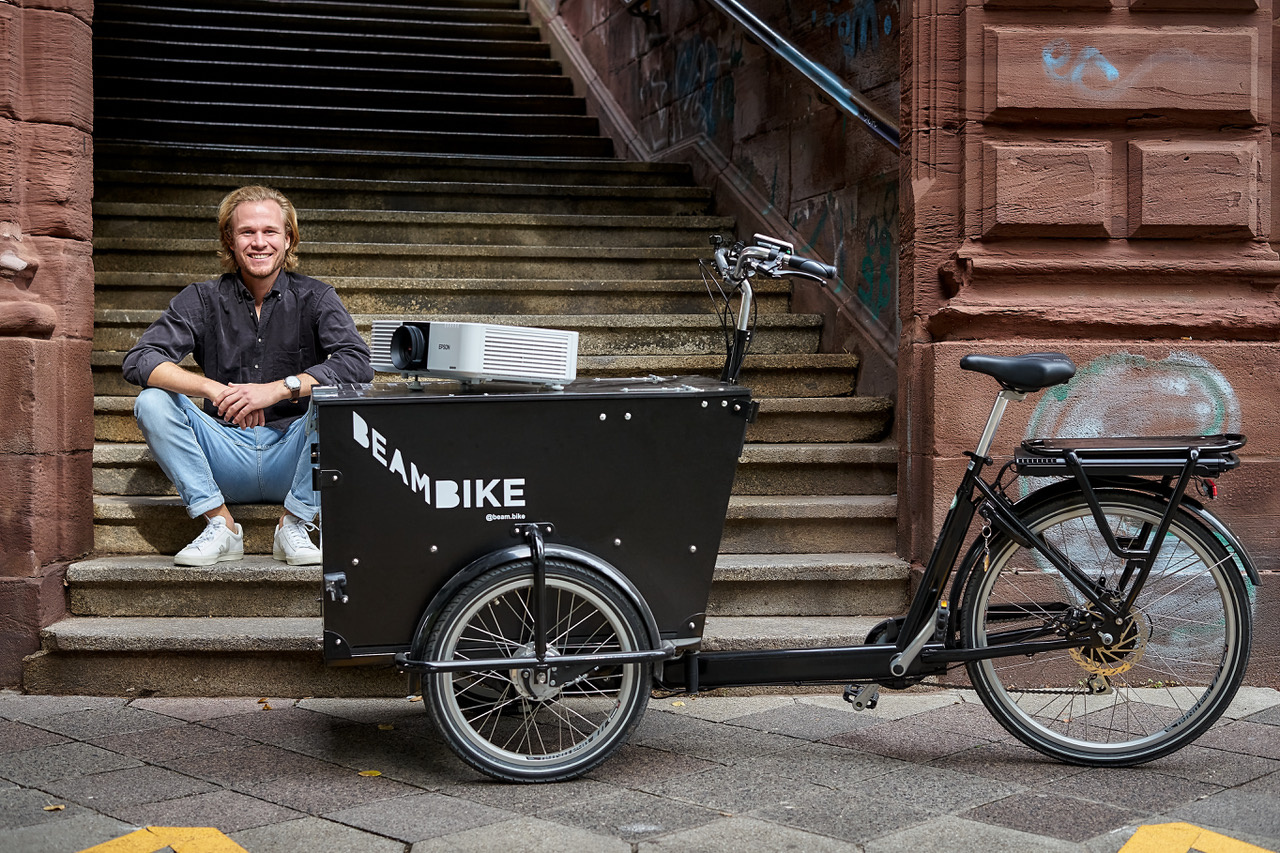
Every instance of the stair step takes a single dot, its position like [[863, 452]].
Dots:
[[122, 11], [764, 469], [754, 633], [809, 585], [420, 297], [149, 524], [370, 18], [116, 221], [458, 196], [600, 334], [221, 656], [789, 375], [150, 165]]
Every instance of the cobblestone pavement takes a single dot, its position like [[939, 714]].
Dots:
[[924, 771]]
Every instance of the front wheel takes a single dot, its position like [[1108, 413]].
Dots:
[[1172, 667], [512, 724]]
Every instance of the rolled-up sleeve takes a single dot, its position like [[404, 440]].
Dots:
[[171, 338], [346, 356]]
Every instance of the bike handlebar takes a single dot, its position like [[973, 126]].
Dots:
[[812, 267]]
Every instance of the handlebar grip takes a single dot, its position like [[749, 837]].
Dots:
[[812, 267]]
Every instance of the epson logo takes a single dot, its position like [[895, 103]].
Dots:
[[442, 494], [442, 346]]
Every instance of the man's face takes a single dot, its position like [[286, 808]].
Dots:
[[259, 240]]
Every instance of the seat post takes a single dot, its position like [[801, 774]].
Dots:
[[993, 420]]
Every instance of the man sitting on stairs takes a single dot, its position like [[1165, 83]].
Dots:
[[263, 335]]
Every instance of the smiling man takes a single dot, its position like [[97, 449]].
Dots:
[[263, 336]]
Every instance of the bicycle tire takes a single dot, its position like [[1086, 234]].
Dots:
[[1173, 668], [504, 723]]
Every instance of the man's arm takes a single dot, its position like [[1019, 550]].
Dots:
[[346, 354]]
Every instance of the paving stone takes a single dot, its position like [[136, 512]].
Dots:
[[531, 799], [850, 815], [1007, 762], [525, 834], [1249, 701], [632, 816], [636, 766], [718, 709], [88, 725], [128, 787], [1056, 816], [1269, 717], [966, 719], [709, 741], [225, 811], [808, 722], [15, 736], [174, 742], [66, 836], [34, 767], [393, 711], [1235, 811], [908, 740], [278, 725], [327, 789], [1269, 784], [1214, 766], [734, 790], [1139, 788], [948, 834], [250, 765], [313, 835], [16, 706], [1245, 737], [736, 834], [940, 789], [419, 816], [422, 762], [825, 764], [895, 704], [26, 807], [196, 710]]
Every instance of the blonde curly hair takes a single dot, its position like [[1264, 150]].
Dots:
[[235, 198]]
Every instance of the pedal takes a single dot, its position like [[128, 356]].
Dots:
[[862, 697]]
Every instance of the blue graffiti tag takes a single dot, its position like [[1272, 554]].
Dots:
[[1058, 65]]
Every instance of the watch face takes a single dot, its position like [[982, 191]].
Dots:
[[292, 382]]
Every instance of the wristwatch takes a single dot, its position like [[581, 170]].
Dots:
[[294, 384]]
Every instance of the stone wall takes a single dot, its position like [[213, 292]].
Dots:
[[46, 313], [689, 86]]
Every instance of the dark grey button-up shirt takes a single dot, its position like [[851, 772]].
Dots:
[[304, 327]]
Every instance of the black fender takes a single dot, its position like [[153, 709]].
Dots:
[[501, 557], [1244, 563]]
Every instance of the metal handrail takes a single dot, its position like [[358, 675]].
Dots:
[[844, 98]]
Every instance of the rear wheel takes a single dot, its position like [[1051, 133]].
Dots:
[[515, 724], [1172, 666]]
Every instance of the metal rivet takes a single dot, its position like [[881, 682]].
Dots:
[[617, 543], [434, 548], [603, 416], [627, 416], [693, 624], [724, 403], [355, 561], [693, 549], [704, 404]]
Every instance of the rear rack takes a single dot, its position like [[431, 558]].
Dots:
[[1162, 455]]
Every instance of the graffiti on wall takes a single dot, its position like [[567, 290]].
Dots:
[[859, 27], [1090, 72]]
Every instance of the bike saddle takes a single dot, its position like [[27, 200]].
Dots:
[[1023, 373]]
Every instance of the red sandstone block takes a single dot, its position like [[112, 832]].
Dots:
[[1193, 5], [47, 389], [64, 281], [1121, 70], [49, 512], [9, 168], [1050, 4], [1060, 190], [57, 72], [1194, 189], [10, 59], [82, 9], [57, 167]]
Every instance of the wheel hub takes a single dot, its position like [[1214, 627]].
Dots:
[[534, 684], [1128, 645]]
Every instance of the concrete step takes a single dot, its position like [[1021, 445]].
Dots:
[[148, 524], [785, 420], [598, 334], [114, 220], [127, 469], [385, 18], [401, 8], [453, 194], [258, 586], [789, 375], [252, 656], [455, 296], [148, 165], [401, 260]]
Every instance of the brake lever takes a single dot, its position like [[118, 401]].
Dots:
[[801, 274]]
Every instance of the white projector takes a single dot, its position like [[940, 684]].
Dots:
[[475, 352]]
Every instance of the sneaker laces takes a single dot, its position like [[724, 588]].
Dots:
[[298, 534], [211, 531]]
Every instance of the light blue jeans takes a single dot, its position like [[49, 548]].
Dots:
[[211, 463]]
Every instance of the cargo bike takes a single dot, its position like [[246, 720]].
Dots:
[[542, 559]]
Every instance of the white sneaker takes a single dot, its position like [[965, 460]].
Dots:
[[293, 543], [217, 543]]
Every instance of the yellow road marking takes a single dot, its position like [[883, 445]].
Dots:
[[180, 839], [1184, 837]]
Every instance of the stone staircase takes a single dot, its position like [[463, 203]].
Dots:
[[467, 183]]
